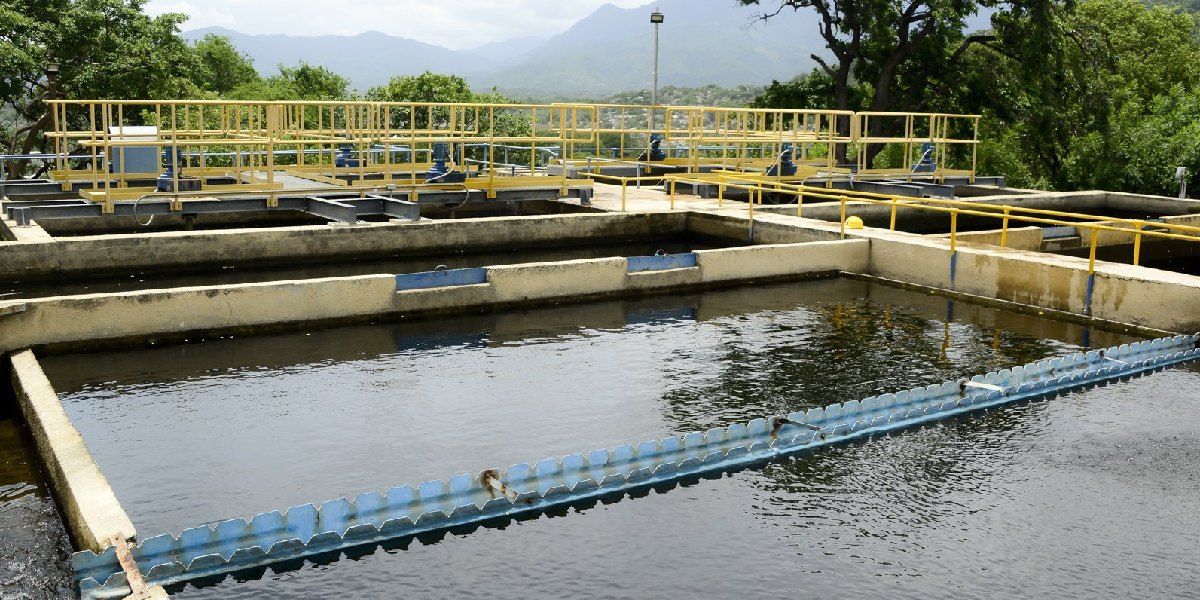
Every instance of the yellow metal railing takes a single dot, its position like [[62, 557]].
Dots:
[[625, 181], [237, 146], [247, 143], [941, 134], [1094, 225]]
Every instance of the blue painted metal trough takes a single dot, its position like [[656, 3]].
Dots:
[[276, 537]]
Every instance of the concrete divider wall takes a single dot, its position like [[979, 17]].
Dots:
[[533, 281], [73, 320], [768, 228], [1020, 238], [89, 507], [1122, 293], [1113, 238], [97, 254], [765, 261]]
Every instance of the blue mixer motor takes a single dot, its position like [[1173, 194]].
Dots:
[[441, 172], [656, 151], [345, 158], [166, 181], [786, 166], [926, 164]]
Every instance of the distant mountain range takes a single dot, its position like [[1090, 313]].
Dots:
[[702, 42]]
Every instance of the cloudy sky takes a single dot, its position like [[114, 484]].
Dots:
[[441, 22]]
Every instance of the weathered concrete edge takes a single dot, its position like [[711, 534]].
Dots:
[[78, 322], [89, 507], [1029, 309], [50, 258]]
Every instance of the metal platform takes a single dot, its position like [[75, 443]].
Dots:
[[915, 188]]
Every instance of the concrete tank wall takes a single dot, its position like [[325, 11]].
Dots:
[[64, 321], [89, 507], [97, 254]]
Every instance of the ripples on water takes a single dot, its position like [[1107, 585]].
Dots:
[[33, 545], [1025, 502]]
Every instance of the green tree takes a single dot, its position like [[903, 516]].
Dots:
[[429, 87], [302, 82], [906, 53], [102, 48], [222, 67], [811, 90], [426, 87], [1113, 58], [1144, 144]]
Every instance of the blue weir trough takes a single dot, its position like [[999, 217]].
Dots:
[[661, 262], [268, 538], [444, 278]]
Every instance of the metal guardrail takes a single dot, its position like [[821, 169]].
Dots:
[[240, 145], [1137, 229], [463, 500]]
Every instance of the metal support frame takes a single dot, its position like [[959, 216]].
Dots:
[[918, 189], [331, 209], [334, 207]]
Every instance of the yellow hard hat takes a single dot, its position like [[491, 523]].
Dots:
[[854, 223]]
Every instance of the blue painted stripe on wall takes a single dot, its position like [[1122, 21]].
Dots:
[[685, 260], [432, 279]]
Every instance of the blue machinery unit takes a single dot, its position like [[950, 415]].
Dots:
[[786, 165], [441, 172], [465, 500], [654, 153], [166, 181], [345, 158], [927, 163]]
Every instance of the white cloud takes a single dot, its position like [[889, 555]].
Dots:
[[455, 24]]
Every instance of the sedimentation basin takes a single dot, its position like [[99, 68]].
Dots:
[[367, 406], [335, 357]]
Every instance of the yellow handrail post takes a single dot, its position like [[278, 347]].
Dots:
[[1137, 244], [1092, 252], [799, 203], [752, 212], [624, 185], [892, 221], [953, 231], [720, 192], [1004, 228], [843, 219]]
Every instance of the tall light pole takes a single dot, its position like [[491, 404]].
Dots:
[[656, 17]]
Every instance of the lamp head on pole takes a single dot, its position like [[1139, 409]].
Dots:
[[656, 17]]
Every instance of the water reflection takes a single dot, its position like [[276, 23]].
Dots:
[[198, 432], [33, 545]]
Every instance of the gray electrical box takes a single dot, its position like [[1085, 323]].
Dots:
[[135, 159]]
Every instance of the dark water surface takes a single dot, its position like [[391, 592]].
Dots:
[[33, 544], [1091, 494], [311, 269]]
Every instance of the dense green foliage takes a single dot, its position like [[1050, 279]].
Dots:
[[303, 82], [1101, 94], [1118, 68], [103, 49], [426, 87], [222, 68]]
